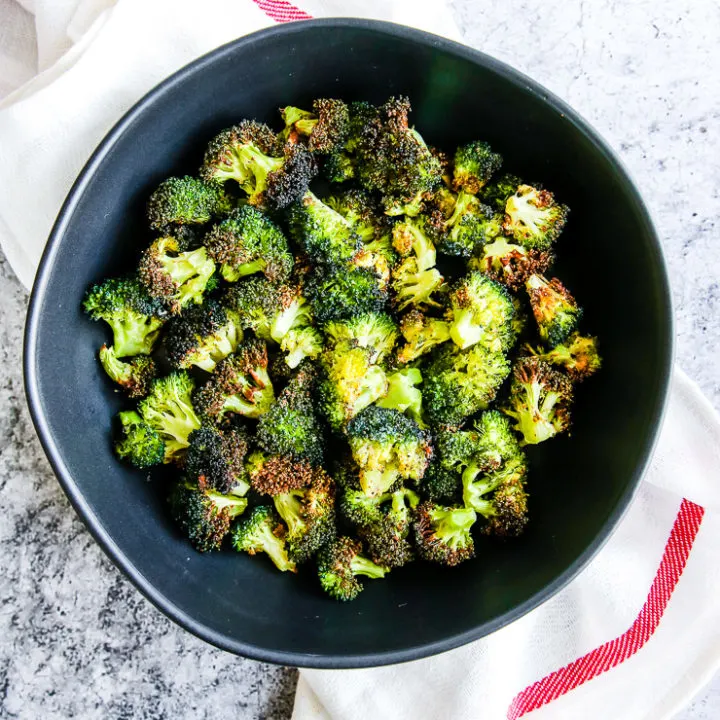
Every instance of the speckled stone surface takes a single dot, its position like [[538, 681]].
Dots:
[[76, 640]]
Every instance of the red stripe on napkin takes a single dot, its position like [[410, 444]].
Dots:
[[607, 656], [281, 10]]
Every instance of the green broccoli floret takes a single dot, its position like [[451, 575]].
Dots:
[[258, 302], [578, 355], [402, 395], [442, 534], [349, 383], [555, 310], [339, 167], [533, 218], [459, 383], [339, 564], [325, 128], [373, 330], [173, 276], [361, 211], [139, 444], [215, 459], [168, 410], [442, 485], [276, 474], [540, 400], [412, 237], [246, 153], [248, 242], [204, 516], [455, 448], [474, 164], [510, 511], [387, 446], [422, 334], [482, 312], [469, 227], [134, 317], [344, 293], [309, 514], [240, 384], [357, 507], [203, 336], [291, 426], [510, 264], [496, 193], [134, 377], [186, 201], [340, 164], [262, 531], [324, 234]]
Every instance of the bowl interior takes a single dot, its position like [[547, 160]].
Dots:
[[579, 485]]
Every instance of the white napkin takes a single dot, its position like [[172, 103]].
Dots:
[[633, 636]]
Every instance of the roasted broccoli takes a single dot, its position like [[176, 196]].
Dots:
[[422, 334], [263, 531], [361, 211], [139, 444], [134, 377], [134, 317], [469, 227], [555, 310], [442, 485], [373, 330], [578, 355], [510, 264], [403, 395], [215, 459], [533, 218], [325, 128], [248, 242], [275, 474], [186, 201], [496, 193], [442, 534], [339, 564], [474, 165], [204, 515]]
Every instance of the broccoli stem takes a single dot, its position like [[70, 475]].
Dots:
[[362, 566]]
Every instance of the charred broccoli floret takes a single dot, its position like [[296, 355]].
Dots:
[[263, 532], [139, 444], [204, 515], [339, 564], [134, 377], [470, 226], [442, 534], [387, 446], [474, 165], [459, 383], [482, 312], [215, 459], [240, 384], [248, 242], [361, 211], [324, 129], [186, 201], [373, 330], [134, 317], [442, 485], [533, 218], [496, 193], [540, 400], [510, 264], [422, 334], [247, 153], [578, 355], [203, 336], [510, 511], [555, 310], [175, 276], [403, 395]]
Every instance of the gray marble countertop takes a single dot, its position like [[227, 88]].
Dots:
[[76, 640]]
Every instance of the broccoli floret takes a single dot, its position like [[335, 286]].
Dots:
[[578, 355], [339, 564], [496, 193], [510, 264], [482, 312], [361, 509], [412, 237], [480, 488], [374, 330], [474, 164], [387, 446], [215, 459], [248, 242], [339, 167], [174, 276], [262, 531], [349, 383], [168, 410], [245, 153], [555, 310], [533, 218], [134, 377], [203, 336], [414, 287], [361, 211], [442, 534], [309, 514], [186, 201], [325, 235], [139, 444], [276, 474], [344, 293], [240, 384], [422, 334], [204, 516], [455, 448], [470, 226], [510, 511], [325, 128], [291, 427], [134, 317], [402, 395], [459, 383], [540, 399], [442, 485], [258, 302]]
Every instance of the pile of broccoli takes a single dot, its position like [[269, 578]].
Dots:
[[345, 379]]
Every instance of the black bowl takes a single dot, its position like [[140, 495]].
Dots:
[[580, 485]]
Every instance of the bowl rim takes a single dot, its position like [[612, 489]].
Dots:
[[94, 523]]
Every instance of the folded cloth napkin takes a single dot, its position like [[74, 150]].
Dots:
[[633, 636]]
